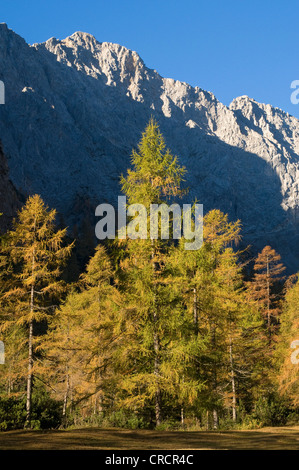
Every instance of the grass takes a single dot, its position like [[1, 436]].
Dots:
[[285, 438]]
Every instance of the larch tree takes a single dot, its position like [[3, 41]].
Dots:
[[240, 337], [13, 371], [36, 255], [155, 178], [287, 350], [195, 276], [83, 336], [268, 271]]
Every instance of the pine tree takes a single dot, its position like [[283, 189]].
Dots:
[[35, 255]]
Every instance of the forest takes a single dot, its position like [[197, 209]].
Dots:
[[149, 335]]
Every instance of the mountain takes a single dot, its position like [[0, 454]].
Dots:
[[10, 200], [76, 107]]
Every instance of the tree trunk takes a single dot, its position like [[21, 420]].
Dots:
[[215, 419], [234, 401], [156, 350], [268, 298], [208, 421], [29, 376], [65, 400], [157, 372], [182, 416], [195, 314], [30, 349], [9, 385], [215, 413]]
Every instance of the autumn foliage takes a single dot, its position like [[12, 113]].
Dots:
[[150, 333]]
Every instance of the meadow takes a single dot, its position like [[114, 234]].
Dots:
[[284, 438]]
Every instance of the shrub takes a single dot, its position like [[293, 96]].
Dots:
[[46, 412], [12, 413], [271, 411]]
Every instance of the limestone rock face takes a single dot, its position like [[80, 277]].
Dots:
[[76, 107], [10, 201]]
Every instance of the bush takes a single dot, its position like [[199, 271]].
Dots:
[[121, 419], [114, 419], [46, 412], [12, 413], [226, 424], [249, 422], [169, 425], [272, 411]]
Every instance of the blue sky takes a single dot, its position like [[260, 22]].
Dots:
[[228, 47]]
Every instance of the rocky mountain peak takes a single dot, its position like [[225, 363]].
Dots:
[[82, 39], [114, 64], [76, 107]]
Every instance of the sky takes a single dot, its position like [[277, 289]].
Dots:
[[228, 47]]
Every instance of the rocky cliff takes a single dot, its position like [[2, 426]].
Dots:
[[10, 201], [76, 107]]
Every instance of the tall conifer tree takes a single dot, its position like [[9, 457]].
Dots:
[[268, 271], [155, 178], [36, 255]]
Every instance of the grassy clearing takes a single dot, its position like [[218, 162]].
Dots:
[[116, 439]]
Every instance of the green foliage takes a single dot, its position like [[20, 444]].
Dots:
[[47, 412], [156, 174], [114, 419], [272, 411], [169, 425], [12, 413], [121, 419]]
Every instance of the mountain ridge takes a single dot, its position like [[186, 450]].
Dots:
[[76, 107]]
